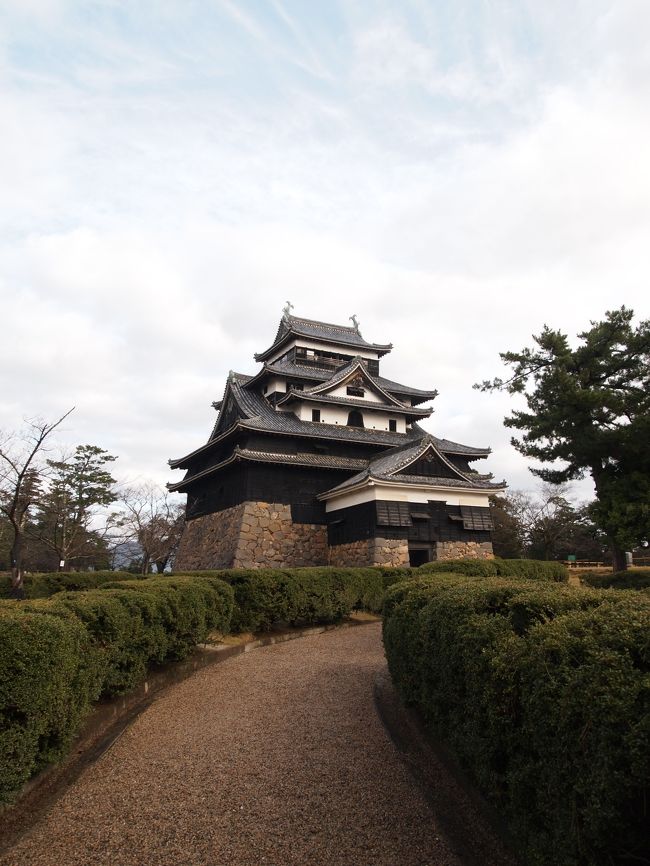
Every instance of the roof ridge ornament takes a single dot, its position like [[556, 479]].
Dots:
[[355, 323], [286, 310]]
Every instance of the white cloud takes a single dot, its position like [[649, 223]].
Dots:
[[455, 179]]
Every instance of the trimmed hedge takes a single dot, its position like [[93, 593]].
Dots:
[[470, 567], [532, 569], [45, 585], [300, 596], [136, 624], [543, 693], [59, 655], [50, 674], [634, 578]]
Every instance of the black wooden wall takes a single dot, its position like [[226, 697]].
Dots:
[[246, 481], [430, 522]]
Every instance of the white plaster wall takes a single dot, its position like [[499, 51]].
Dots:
[[276, 383], [408, 494], [325, 347], [369, 397], [329, 414]]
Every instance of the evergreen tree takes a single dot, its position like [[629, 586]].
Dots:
[[589, 410], [78, 485]]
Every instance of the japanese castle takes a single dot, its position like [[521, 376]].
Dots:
[[319, 459]]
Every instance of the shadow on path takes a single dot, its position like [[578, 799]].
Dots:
[[274, 757]]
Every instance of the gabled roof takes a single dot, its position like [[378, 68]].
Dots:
[[355, 403], [256, 413], [385, 468], [292, 326], [356, 367], [322, 461], [293, 370]]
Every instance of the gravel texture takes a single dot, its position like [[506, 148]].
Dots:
[[274, 757]]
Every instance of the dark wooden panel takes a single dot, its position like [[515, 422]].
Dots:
[[430, 522]]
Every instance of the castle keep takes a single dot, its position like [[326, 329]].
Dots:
[[318, 459]]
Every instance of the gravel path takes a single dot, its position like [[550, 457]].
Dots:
[[274, 757]]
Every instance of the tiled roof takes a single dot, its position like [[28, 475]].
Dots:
[[293, 370], [258, 414], [262, 416], [311, 329], [385, 466], [356, 402], [451, 482], [325, 461], [340, 375], [405, 390], [322, 461]]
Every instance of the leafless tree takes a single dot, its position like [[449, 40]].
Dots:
[[152, 520], [21, 472]]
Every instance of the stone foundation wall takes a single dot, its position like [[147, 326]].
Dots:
[[355, 553], [389, 551], [262, 535], [464, 550], [251, 535], [210, 541], [270, 539], [371, 551]]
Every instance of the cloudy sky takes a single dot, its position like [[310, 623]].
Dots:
[[455, 172]]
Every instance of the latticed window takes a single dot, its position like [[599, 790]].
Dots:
[[474, 517], [393, 514]]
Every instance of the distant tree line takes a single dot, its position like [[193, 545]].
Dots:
[[545, 524], [68, 513]]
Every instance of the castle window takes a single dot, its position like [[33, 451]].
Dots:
[[353, 391], [392, 425], [355, 419], [315, 414]]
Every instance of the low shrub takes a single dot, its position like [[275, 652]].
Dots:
[[139, 623], [471, 567], [47, 584], [633, 578], [541, 690], [265, 597], [50, 673], [533, 569]]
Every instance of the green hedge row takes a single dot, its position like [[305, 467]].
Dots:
[[45, 585], [543, 693], [49, 677], [532, 569], [57, 656], [303, 596], [109, 627], [634, 578]]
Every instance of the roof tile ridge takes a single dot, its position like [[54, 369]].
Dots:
[[427, 441], [339, 375], [331, 325]]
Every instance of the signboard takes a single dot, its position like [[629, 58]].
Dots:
[[571, 557]]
